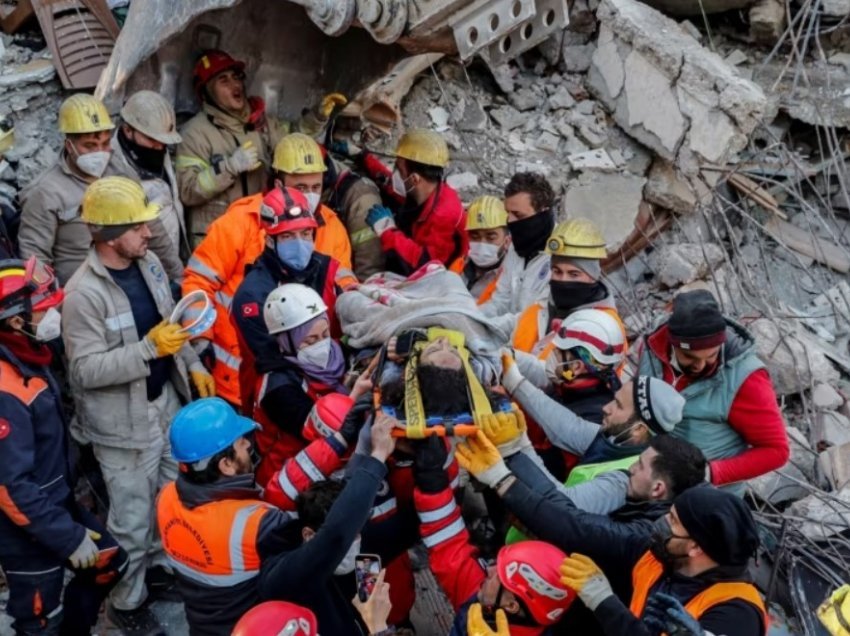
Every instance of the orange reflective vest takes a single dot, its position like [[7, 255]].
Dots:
[[530, 329], [648, 570], [217, 268], [214, 544], [488, 292]]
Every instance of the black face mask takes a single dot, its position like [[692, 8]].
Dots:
[[567, 295], [147, 159], [661, 536], [529, 235]]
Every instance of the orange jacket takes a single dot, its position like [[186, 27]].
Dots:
[[648, 570], [217, 267], [531, 330]]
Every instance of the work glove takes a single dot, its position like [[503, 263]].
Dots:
[[507, 431], [429, 460], [202, 380], [85, 556], [477, 626], [355, 419], [329, 102], [481, 460], [166, 338], [511, 377], [380, 219], [665, 614], [583, 575], [244, 159]]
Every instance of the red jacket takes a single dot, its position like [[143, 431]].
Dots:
[[754, 415]]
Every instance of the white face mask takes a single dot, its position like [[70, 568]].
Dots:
[[484, 254], [50, 326], [316, 354], [399, 185], [346, 566], [313, 200], [94, 163]]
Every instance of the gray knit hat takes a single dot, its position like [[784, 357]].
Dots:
[[589, 266], [657, 403]]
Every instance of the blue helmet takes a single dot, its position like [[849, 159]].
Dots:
[[206, 427]]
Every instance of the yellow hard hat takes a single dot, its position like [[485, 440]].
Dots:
[[577, 238], [486, 213], [298, 153], [423, 146], [7, 135], [82, 113], [117, 201]]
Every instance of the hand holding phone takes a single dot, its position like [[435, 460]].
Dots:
[[366, 570]]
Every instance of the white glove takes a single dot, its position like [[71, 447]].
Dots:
[[515, 446], [85, 555], [511, 376], [244, 159]]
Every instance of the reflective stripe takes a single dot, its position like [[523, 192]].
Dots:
[[362, 236], [451, 530], [214, 580], [454, 483], [189, 161], [199, 267], [224, 300], [225, 358], [306, 464], [121, 321], [442, 512], [206, 182], [385, 508], [262, 392], [237, 532], [286, 486]]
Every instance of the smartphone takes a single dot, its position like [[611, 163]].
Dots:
[[366, 570]]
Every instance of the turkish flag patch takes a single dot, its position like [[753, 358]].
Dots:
[[250, 310], [5, 428]]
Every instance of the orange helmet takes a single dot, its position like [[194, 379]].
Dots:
[[279, 618], [27, 286], [286, 210], [210, 64]]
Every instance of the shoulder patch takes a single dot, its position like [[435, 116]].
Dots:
[[250, 310], [5, 428]]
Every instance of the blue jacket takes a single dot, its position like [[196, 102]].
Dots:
[[35, 475]]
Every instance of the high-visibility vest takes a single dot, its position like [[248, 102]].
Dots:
[[214, 544], [648, 570]]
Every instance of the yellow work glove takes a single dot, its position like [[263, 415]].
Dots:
[[167, 338], [203, 381], [482, 460], [501, 428], [835, 610], [511, 377], [476, 625], [329, 102], [583, 575]]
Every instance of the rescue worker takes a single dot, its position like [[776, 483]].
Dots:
[[430, 223], [43, 531], [529, 202], [51, 227], [489, 241], [228, 146], [305, 380], [575, 247], [140, 152], [129, 369], [213, 504], [696, 563], [9, 213], [524, 582], [288, 257], [731, 412], [331, 515]]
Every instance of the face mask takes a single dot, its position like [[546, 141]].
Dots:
[[625, 435], [346, 566], [485, 255], [94, 163], [316, 354], [50, 326], [567, 295], [661, 536], [399, 184], [529, 235], [294, 253], [148, 159], [313, 199]]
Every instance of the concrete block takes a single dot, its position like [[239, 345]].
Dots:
[[463, 180], [835, 464], [561, 98], [668, 189], [767, 21], [612, 201], [825, 518], [830, 428], [577, 58], [835, 8], [682, 263], [508, 117], [826, 398], [592, 160]]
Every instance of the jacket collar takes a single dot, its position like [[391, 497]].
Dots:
[[237, 487], [223, 119], [739, 341]]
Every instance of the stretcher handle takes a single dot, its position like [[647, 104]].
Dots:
[[440, 430]]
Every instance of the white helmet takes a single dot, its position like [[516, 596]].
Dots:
[[595, 330], [153, 116], [290, 306]]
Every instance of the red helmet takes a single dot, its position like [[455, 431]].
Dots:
[[285, 210], [27, 286], [530, 569], [326, 416], [210, 64], [277, 618]]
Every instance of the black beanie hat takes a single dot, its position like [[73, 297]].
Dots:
[[696, 322], [719, 522]]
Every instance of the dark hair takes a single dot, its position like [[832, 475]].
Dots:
[[210, 474], [314, 504], [443, 390], [535, 185], [432, 174], [679, 463]]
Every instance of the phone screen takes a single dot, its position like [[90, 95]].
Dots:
[[366, 570]]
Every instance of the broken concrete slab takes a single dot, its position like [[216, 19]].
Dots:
[[577, 58], [834, 462], [666, 188], [830, 429], [592, 160], [463, 180], [524, 99], [561, 98], [835, 8], [507, 117], [682, 263], [38, 70], [779, 486], [824, 517], [826, 398], [611, 201], [767, 21]]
